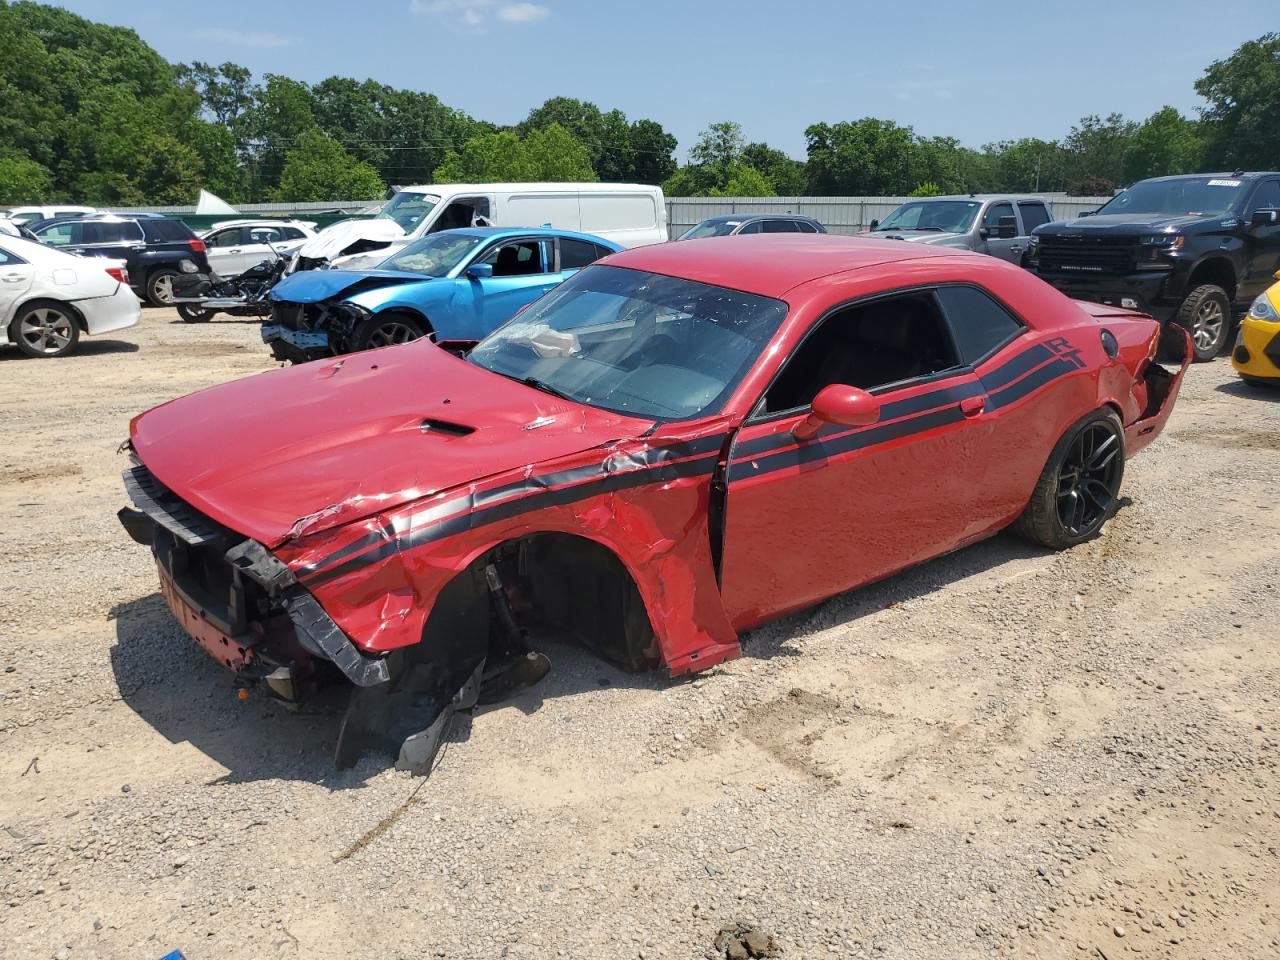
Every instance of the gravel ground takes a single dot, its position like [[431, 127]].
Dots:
[[1004, 753]]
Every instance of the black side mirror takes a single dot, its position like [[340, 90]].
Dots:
[[1008, 228], [874, 224], [1086, 213], [1265, 218]]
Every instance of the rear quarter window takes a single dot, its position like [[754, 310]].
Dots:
[[979, 324], [577, 253], [1033, 215], [167, 230]]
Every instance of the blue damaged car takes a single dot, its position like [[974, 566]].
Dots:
[[454, 286]]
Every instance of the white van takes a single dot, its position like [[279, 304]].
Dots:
[[29, 215], [629, 214]]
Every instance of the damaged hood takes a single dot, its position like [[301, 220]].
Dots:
[[313, 286], [303, 449], [333, 240]]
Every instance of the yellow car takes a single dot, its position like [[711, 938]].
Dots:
[[1256, 356]]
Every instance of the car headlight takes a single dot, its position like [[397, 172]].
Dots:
[[1263, 309], [1167, 240], [1033, 246]]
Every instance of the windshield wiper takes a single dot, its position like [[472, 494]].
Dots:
[[547, 388]]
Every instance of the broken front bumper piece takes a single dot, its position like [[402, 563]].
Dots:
[[298, 346]]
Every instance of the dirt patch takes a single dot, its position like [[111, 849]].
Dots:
[[55, 471], [1233, 439]]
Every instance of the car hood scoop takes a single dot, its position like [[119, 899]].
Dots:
[[294, 451]]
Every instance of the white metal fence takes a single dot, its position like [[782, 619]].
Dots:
[[838, 214]]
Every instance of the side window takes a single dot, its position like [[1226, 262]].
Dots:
[[991, 219], [463, 213], [58, 235], [1267, 197], [780, 226], [519, 258], [8, 259], [265, 235], [753, 227], [602, 251], [225, 238], [869, 345], [1034, 214], [293, 233], [577, 253], [124, 232], [805, 226], [978, 323]]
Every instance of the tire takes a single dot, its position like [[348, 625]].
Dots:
[[160, 287], [190, 313], [45, 329], [1206, 315], [1072, 500], [385, 329]]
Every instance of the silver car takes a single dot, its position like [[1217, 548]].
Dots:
[[997, 224]]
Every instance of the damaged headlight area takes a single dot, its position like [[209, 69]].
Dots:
[[298, 332], [244, 607]]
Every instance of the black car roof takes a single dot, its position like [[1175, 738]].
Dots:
[[1220, 175]]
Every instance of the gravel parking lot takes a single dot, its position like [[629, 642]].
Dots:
[[1003, 753]]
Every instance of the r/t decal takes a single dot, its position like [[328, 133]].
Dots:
[[1061, 346]]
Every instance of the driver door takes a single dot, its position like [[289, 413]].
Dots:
[[1263, 243], [1006, 248], [521, 274], [225, 250], [806, 520]]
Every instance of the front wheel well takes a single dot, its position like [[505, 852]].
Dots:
[[1217, 271], [567, 587]]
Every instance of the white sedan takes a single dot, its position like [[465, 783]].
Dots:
[[49, 298]]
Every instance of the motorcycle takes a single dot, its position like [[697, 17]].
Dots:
[[199, 296]]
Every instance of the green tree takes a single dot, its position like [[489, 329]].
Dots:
[[22, 180], [926, 189], [743, 181], [1165, 143], [1241, 124], [547, 154], [226, 91], [282, 111], [720, 144], [866, 157], [1026, 165], [652, 152], [787, 177], [319, 169], [1096, 148]]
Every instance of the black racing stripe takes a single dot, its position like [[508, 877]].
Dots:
[[818, 450], [1030, 383], [642, 459], [468, 520], [384, 532], [1023, 363], [894, 409]]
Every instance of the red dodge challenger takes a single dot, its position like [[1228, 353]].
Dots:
[[677, 444]]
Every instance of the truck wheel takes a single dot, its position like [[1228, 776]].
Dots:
[[160, 288], [385, 329], [45, 329], [1080, 487], [190, 313], [1206, 315]]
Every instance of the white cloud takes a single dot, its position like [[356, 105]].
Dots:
[[473, 13], [241, 38], [523, 12]]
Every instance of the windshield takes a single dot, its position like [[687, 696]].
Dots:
[[711, 228], [408, 209], [942, 216], [636, 343], [1195, 196], [434, 255]]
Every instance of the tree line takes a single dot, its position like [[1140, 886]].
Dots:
[[92, 113]]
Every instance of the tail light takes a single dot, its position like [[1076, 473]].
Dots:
[[196, 245], [119, 274]]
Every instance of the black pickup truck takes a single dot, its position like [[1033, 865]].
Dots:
[[1191, 250]]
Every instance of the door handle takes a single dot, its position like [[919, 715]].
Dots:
[[972, 406], [1015, 249], [138, 248], [236, 250], [12, 278]]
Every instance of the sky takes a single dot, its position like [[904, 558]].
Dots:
[[978, 71]]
